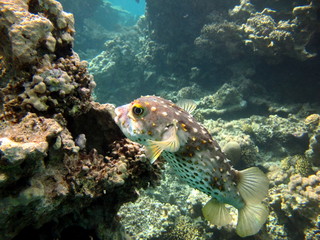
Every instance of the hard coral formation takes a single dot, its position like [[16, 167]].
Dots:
[[226, 100], [262, 138], [65, 84], [33, 30], [298, 199], [313, 152], [63, 161], [125, 65], [34, 80], [43, 171], [60, 87], [268, 33]]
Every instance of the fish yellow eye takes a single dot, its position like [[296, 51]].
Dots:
[[138, 110]]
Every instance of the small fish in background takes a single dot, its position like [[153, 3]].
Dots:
[[169, 129]]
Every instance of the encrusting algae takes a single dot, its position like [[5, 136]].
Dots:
[[167, 129]]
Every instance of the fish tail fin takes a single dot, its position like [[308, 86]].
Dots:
[[216, 213], [253, 187], [250, 219]]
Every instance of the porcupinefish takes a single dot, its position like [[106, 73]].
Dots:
[[169, 129]]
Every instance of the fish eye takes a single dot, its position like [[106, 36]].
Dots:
[[137, 110]]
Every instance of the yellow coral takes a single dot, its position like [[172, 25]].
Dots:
[[247, 128], [184, 229], [312, 119], [303, 165]]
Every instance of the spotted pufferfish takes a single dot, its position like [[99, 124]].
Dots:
[[169, 129]]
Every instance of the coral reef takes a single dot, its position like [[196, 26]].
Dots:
[[226, 100], [124, 65], [313, 152], [269, 33], [294, 197], [44, 172], [65, 167], [208, 44], [34, 32], [269, 138], [34, 80]]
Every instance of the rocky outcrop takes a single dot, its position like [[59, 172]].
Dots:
[[65, 167]]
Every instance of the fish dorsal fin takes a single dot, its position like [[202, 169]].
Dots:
[[171, 144], [187, 104]]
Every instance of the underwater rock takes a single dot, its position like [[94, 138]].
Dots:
[[49, 186], [226, 100], [39, 33], [51, 177], [34, 31]]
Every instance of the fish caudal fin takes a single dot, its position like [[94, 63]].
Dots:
[[253, 187], [250, 219], [216, 213]]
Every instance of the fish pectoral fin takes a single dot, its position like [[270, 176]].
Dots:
[[155, 148], [153, 151], [216, 213], [187, 104]]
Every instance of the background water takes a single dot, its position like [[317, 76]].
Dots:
[[131, 6]]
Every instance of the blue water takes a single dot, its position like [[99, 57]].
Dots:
[[131, 6]]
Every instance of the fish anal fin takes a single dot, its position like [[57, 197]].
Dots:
[[216, 213]]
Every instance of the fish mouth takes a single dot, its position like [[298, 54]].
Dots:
[[121, 117], [118, 115]]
